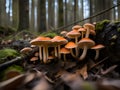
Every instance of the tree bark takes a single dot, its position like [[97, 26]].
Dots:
[[23, 14]]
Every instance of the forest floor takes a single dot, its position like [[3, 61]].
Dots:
[[58, 74]]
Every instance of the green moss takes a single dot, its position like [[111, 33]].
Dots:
[[16, 68], [7, 52], [49, 34], [118, 29], [100, 25], [7, 30]]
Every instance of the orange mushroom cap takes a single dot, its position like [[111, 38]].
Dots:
[[89, 25], [34, 59], [64, 51], [73, 34], [99, 46], [76, 27], [26, 50], [40, 40], [70, 45], [86, 41], [58, 40]]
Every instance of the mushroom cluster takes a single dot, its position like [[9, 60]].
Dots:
[[82, 40], [79, 40]]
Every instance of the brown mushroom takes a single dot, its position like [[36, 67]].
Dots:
[[85, 43], [33, 59], [58, 40], [26, 50], [89, 27], [36, 42], [74, 34], [82, 30], [97, 48], [76, 27], [70, 45], [63, 33], [42, 42], [64, 51]]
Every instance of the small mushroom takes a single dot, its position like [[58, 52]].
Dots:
[[26, 50], [82, 30], [89, 27], [97, 48], [71, 45], [85, 43], [76, 27], [64, 51], [42, 42], [63, 33], [74, 34], [58, 41], [33, 59]]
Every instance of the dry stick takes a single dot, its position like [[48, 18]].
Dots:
[[93, 16], [99, 62], [109, 70]]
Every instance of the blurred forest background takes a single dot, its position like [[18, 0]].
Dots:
[[46, 15]]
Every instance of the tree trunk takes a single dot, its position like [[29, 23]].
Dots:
[[42, 16], [15, 12], [3, 13], [61, 23], [23, 14]]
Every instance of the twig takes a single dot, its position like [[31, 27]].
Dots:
[[99, 62]]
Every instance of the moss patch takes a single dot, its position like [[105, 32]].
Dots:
[[49, 34], [7, 52], [14, 68], [100, 25]]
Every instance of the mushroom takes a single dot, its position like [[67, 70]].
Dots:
[[36, 41], [42, 42], [97, 48], [33, 59], [89, 27], [63, 33], [57, 41], [26, 50], [74, 34], [70, 45], [76, 27], [36, 54], [85, 43], [64, 51], [92, 32], [82, 30]]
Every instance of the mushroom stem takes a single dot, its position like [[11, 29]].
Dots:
[[72, 53], [55, 48], [76, 49], [64, 57], [82, 34], [84, 53], [97, 54], [40, 52], [87, 33], [44, 55], [59, 55]]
